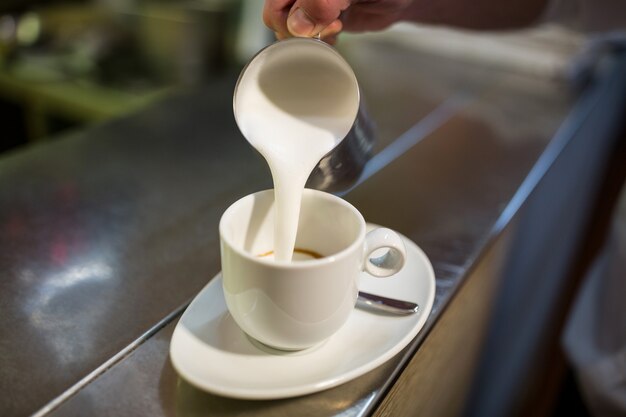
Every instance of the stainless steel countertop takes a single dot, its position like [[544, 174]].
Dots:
[[106, 234]]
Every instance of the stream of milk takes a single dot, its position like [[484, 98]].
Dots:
[[294, 110]]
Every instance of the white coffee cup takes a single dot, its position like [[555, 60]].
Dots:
[[296, 305]]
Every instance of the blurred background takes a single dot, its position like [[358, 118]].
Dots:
[[68, 63]]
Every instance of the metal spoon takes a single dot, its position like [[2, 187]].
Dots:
[[388, 305]]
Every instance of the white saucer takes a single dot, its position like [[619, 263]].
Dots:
[[210, 351]]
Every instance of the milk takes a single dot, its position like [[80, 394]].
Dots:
[[294, 103]]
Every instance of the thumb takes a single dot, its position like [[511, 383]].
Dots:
[[310, 17]]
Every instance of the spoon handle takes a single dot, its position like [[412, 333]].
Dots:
[[389, 305]]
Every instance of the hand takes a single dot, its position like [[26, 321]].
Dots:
[[326, 18], [329, 17]]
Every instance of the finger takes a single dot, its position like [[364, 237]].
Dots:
[[275, 13], [280, 36], [310, 17], [331, 31]]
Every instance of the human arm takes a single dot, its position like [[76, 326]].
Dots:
[[329, 17]]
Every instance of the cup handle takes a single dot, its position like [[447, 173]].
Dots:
[[389, 263]]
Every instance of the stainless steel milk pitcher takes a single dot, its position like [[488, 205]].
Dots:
[[342, 166]]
